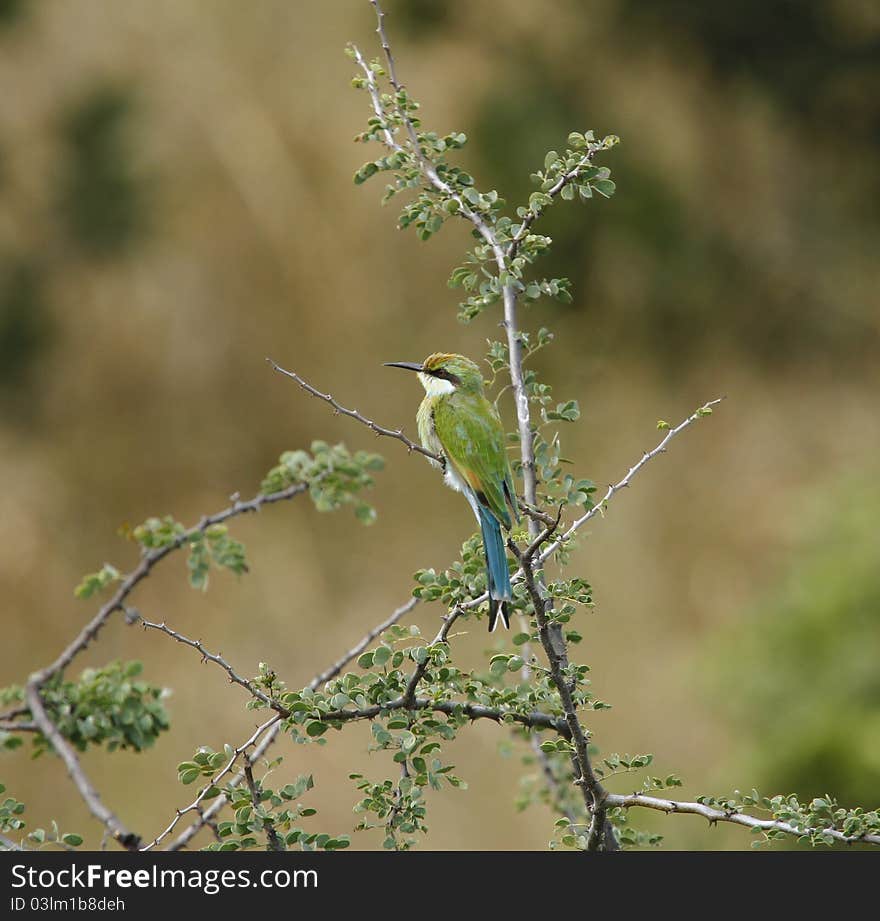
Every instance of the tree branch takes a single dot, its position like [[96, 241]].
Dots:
[[362, 644], [613, 800], [234, 677], [354, 414], [594, 793], [195, 805], [704, 410], [275, 843], [534, 720], [128, 839]]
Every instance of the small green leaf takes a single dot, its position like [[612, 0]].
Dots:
[[315, 728]]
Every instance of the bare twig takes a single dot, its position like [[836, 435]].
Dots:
[[613, 800], [354, 414], [599, 508], [18, 726], [14, 713], [234, 677], [362, 644]]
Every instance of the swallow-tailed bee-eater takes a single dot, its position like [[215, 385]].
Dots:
[[457, 422]]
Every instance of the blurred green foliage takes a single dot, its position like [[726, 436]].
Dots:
[[819, 59], [11, 11], [25, 323], [800, 674], [99, 196]]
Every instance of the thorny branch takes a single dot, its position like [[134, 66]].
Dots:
[[354, 414], [218, 659]]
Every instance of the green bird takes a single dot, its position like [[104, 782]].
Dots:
[[457, 422]]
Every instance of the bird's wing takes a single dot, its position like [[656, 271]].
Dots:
[[472, 436]]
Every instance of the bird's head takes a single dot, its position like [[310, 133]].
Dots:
[[443, 373]]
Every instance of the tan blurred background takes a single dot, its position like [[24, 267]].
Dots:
[[176, 203]]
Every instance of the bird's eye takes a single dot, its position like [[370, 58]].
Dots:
[[445, 375]]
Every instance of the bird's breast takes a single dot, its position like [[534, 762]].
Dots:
[[427, 431]]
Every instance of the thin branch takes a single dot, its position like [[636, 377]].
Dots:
[[9, 844], [552, 782], [275, 843], [354, 414], [195, 805], [360, 646], [207, 816], [533, 720], [14, 713], [464, 209], [18, 726], [234, 677], [409, 695], [613, 800], [704, 410]]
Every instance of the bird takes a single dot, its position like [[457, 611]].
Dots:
[[458, 423]]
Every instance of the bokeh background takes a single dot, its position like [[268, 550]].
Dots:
[[176, 203]]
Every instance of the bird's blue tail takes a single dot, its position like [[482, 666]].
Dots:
[[496, 568]]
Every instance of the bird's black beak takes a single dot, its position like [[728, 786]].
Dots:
[[407, 365]]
